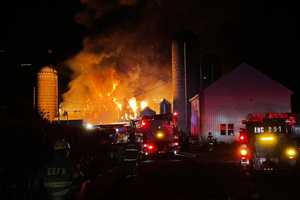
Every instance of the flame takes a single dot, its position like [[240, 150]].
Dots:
[[119, 105], [144, 104], [112, 84], [133, 105]]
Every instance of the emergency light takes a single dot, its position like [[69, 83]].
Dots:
[[291, 152]]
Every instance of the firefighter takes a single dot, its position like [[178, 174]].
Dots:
[[131, 156], [58, 179], [211, 140]]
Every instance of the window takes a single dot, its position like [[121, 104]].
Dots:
[[230, 129], [223, 129]]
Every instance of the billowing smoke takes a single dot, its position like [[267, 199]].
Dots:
[[120, 62], [126, 53]]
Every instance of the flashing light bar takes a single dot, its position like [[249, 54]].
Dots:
[[267, 138]]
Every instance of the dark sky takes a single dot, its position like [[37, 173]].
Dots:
[[263, 32]]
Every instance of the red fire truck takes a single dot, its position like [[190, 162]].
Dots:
[[267, 142], [158, 134]]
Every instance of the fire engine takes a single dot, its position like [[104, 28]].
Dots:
[[158, 134], [267, 142]]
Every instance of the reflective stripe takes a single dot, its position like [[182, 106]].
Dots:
[[127, 159], [58, 184], [60, 193], [131, 150]]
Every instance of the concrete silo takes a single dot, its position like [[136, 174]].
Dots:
[[47, 93], [179, 82]]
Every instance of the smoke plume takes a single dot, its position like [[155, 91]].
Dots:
[[126, 53], [119, 61]]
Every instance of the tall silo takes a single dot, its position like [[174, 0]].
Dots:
[[179, 82], [47, 92]]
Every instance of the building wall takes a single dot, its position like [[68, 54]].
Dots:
[[232, 98]]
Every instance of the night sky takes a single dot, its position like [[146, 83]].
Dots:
[[262, 33]]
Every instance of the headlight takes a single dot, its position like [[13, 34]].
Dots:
[[291, 152], [267, 138], [89, 126], [243, 152], [160, 135]]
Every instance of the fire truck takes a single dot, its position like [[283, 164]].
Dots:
[[158, 134], [267, 143]]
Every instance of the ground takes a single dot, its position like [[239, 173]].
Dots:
[[194, 176]]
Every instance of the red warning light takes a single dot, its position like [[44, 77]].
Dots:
[[242, 138], [144, 123]]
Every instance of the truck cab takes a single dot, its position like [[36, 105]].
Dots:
[[267, 142], [158, 134]]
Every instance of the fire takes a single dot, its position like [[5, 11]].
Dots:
[[144, 104], [114, 86], [133, 104], [119, 105], [114, 81]]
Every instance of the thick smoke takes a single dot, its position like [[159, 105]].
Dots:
[[127, 50], [121, 61]]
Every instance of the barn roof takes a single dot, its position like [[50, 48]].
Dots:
[[246, 74]]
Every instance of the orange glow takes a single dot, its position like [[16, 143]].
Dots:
[[133, 104], [115, 83], [144, 104]]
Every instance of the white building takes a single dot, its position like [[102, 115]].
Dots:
[[223, 105]]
